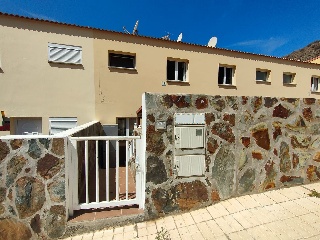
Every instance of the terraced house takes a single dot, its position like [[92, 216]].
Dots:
[[57, 75], [216, 124]]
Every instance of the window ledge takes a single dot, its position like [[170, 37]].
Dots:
[[227, 86], [290, 84], [123, 68], [64, 63], [263, 82], [315, 92], [177, 82]]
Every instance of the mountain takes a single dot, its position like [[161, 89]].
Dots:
[[307, 53]]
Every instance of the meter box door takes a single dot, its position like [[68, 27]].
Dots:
[[189, 137], [190, 165]]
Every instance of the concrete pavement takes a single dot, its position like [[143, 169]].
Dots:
[[287, 213]]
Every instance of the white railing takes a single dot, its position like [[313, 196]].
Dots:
[[121, 198]]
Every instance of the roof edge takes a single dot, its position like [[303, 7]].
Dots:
[[154, 38]]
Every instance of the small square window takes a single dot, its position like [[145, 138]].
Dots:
[[120, 60], [177, 70], [226, 75], [288, 78], [315, 82], [262, 75]]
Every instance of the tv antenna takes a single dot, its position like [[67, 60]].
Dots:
[[166, 37], [135, 29], [213, 42], [179, 37]]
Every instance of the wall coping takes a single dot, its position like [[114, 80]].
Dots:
[[74, 130], [63, 134]]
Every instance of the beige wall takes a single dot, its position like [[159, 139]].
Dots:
[[118, 92], [93, 91], [32, 87]]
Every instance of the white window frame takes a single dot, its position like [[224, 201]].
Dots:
[[292, 82], [233, 68], [176, 70], [66, 47], [315, 86], [267, 72]]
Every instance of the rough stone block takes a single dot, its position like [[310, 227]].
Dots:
[[30, 196], [49, 166], [183, 196], [4, 150], [11, 229], [56, 221]]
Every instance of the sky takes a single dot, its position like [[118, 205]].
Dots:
[[269, 27]]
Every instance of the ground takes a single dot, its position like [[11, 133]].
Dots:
[[288, 213]]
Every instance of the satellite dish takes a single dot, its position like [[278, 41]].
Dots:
[[135, 29], [213, 42], [179, 37]]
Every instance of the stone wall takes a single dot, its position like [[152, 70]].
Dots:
[[32, 188], [253, 144]]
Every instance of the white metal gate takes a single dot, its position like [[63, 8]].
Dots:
[[102, 183]]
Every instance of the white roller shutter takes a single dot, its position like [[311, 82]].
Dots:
[[58, 125]]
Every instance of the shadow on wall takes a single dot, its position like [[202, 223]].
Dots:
[[64, 65]]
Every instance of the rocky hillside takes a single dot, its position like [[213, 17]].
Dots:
[[307, 53]]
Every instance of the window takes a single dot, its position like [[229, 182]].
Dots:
[[315, 84], [126, 126], [58, 53], [288, 78], [120, 60], [262, 75], [226, 75], [27, 126], [176, 70]]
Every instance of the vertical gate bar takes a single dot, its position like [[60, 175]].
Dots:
[[76, 171], [97, 171], [107, 171], [137, 158], [127, 160], [86, 169], [68, 165], [117, 170]]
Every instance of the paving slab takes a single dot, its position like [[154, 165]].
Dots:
[[282, 214]]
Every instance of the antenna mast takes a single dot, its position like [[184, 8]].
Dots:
[[135, 29]]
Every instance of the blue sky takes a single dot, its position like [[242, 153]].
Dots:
[[271, 27]]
